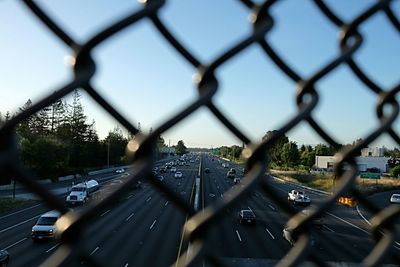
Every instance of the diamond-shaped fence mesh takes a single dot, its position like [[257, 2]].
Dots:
[[200, 226]]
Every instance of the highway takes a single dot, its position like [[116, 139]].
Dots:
[[145, 229]]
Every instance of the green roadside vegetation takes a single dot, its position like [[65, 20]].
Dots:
[[10, 204], [287, 160], [326, 181]]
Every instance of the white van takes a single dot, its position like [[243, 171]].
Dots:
[[45, 227]]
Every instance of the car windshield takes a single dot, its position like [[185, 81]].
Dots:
[[46, 221], [248, 213], [78, 189]]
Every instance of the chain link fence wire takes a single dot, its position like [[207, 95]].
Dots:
[[142, 148]]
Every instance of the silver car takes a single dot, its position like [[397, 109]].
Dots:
[[395, 198]]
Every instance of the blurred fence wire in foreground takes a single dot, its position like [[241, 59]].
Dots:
[[142, 148]]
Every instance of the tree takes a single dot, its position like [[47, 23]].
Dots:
[[45, 156], [161, 142], [290, 154], [115, 144], [323, 150], [180, 148], [307, 158], [274, 153], [395, 172]]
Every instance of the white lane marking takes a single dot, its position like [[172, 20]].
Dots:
[[23, 210], [166, 203], [104, 213], [249, 208], [271, 207], [126, 265], [238, 235], [349, 223], [18, 224], [272, 236], [329, 229], [152, 225], [130, 196], [222, 196], [362, 216], [365, 219], [148, 199], [53, 247], [188, 252], [16, 243], [94, 251], [130, 216]]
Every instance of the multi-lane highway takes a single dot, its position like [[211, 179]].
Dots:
[[144, 228]]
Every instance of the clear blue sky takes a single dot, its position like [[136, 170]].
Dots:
[[148, 81]]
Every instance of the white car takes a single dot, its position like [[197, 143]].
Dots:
[[299, 197], [395, 198], [178, 175], [122, 170], [173, 169], [45, 227]]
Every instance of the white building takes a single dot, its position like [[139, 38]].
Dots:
[[364, 163], [372, 152]]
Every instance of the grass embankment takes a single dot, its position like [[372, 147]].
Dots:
[[9, 204], [325, 181]]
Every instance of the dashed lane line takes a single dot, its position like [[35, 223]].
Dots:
[[130, 216], [104, 213], [16, 243], [53, 247], [94, 251], [272, 236], [152, 225], [238, 235]]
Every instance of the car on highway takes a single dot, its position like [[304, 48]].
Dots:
[[207, 170], [45, 227], [225, 165], [395, 199], [247, 217], [173, 169], [236, 180], [317, 221], [178, 175], [4, 258], [299, 197], [230, 174], [160, 177], [121, 170], [287, 234], [232, 170], [163, 169]]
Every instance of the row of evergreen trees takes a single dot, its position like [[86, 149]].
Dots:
[[59, 140]]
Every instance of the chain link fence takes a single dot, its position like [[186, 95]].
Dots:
[[142, 148]]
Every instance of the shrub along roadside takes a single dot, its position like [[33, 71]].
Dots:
[[326, 182]]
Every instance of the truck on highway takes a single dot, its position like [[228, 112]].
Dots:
[[80, 193]]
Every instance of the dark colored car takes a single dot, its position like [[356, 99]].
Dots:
[[230, 174], [163, 170], [232, 170], [207, 170], [4, 258], [247, 216]]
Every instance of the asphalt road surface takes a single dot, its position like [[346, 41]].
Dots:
[[144, 228]]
